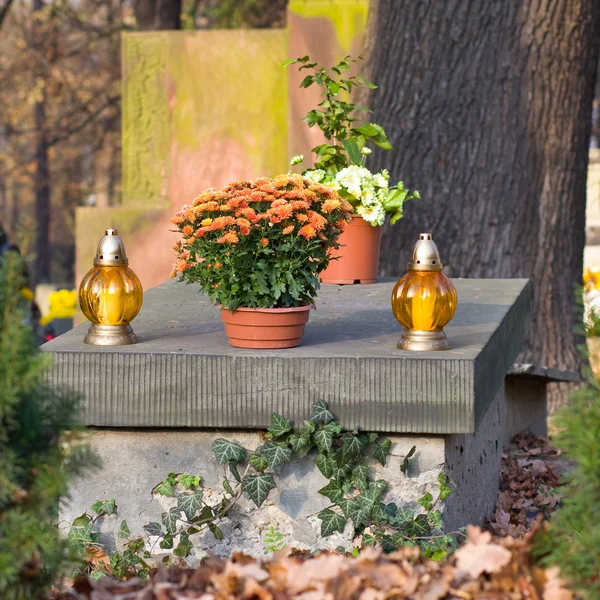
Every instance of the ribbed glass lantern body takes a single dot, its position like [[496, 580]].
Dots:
[[110, 295], [424, 300]]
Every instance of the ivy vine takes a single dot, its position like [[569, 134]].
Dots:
[[345, 458]]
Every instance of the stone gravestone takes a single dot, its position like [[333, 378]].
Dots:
[[159, 405]]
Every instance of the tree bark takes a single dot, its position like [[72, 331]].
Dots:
[[42, 177], [488, 107], [157, 14]]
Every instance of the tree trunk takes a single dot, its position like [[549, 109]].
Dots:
[[488, 107], [42, 178], [158, 14]]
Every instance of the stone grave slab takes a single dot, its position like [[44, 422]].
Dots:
[[156, 407]]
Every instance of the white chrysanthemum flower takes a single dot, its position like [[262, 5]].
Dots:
[[296, 160], [368, 196], [380, 181], [366, 151], [374, 214], [352, 178], [316, 175]]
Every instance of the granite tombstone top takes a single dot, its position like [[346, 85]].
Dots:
[[183, 373]]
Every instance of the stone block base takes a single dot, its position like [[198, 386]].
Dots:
[[135, 461]]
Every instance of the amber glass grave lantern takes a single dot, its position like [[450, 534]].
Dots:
[[424, 300], [110, 295]]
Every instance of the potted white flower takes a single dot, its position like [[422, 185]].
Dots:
[[341, 165]]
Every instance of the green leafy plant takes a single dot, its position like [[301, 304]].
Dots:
[[260, 244], [572, 538], [273, 540], [40, 450], [345, 458], [341, 162]]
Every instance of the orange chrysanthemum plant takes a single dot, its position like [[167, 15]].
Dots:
[[261, 243]]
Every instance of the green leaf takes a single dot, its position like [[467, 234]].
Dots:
[[153, 528], [216, 531], [105, 507], [300, 441], [276, 454], [165, 487], [351, 447], [227, 487], [381, 450], [307, 81], [258, 487], [333, 491], [359, 477], [353, 510], [333, 427], [234, 472], [169, 520], [321, 413], [353, 151], [445, 491], [124, 532], [324, 440], [190, 503], [372, 437], [289, 62], [184, 547], [227, 451], [189, 481], [258, 462], [279, 425], [167, 542], [426, 501], [404, 466], [206, 514], [331, 521], [325, 464]]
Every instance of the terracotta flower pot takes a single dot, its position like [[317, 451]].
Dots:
[[358, 257], [265, 328]]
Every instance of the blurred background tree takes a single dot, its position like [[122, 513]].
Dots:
[[60, 111]]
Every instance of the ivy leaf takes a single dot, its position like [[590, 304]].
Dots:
[[359, 477], [165, 487], [309, 426], [331, 521], [184, 547], [105, 507], [234, 471], [372, 437], [258, 462], [353, 510], [228, 452], [189, 481], [276, 454], [333, 427], [351, 447], [167, 542], [169, 520], [404, 467], [381, 450], [426, 501], [323, 440], [321, 413], [300, 441], [124, 532], [227, 487], [190, 503], [325, 464], [258, 487], [153, 528], [279, 425], [333, 491], [206, 514], [216, 531]]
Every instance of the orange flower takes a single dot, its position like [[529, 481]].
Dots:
[[229, 237], [331, 204], [218, 265], [302, 218], [244, 230], [177, 219], [300, 205], [248, 213], [181, 266], [316, 220], [200, 232], [187, 230], [241, 222], [222, 222], [308, 232], [190, 215], [288, 229], [341, 224], [264, 242]]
